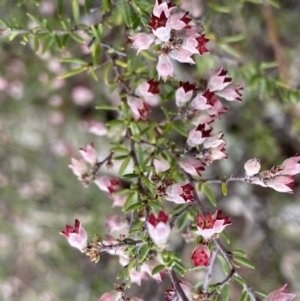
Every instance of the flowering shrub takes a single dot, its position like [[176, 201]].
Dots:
[[159, 184]]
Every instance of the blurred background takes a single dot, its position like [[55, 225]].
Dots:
[[44, 120]]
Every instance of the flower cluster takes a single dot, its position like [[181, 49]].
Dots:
[[178, 39], [280, 178]]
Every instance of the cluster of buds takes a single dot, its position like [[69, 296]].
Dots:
[[280, 178]]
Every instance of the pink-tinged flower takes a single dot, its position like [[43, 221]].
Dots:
[[89, 154], [191, 166], [198, 135], [148, 268], [164, 67], [78, 167], [97, 128], [110, 241], [160, 26], [107, 184], [184, 93], [139, 108], [290, 166], [209, 225], [180, 193], [115, 224], [111, 296], [202, 40], [159, 228], [179, 21], [149, 91], [217, 108], [280, 295], [182, 56], [252, 167], [137, 277], [282, 183], [201, 255], [186, 287], [202, 101], [160, 164], [165, 7], [216, 153], [118, 200], [231, 93], [77, 236], [219, 80], [214, 141], [142, 41], [135, 299]]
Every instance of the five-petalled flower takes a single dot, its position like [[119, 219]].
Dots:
[[209, 226], [77, 236]]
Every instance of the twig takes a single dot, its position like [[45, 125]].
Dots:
[[275, 41], [225, 254], [208, 274], [179, 291], [175, 217], [104, 248]]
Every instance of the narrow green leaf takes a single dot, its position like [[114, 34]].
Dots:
[[239, 253], [96, 34], [73, 60], [87, 7], [224, 188], [144, 250], [120, 149], [130, 197], [60, 8], [36, 43], [179, 270], [96, 52], [224, 235], [260, 293], [34, 19], [225, 292], [239, 280], [91, 71], [124, 166], [244, 296], [243, 261], [73, 72], [136, 206], [209, 194], [220, 8], [65, 39], [224, 264], [124, 7], [158, 269], [77, 38], [58, 42], [155, 205], [107, 107], [232, 39], [48, 43], [179, 127], [183, 219], [76, 11], [130, 176], [230, 50], [106, 5]]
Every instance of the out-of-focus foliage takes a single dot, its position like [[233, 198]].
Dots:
[[51, 81]]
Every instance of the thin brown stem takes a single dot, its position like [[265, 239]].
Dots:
[[179, 291]]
